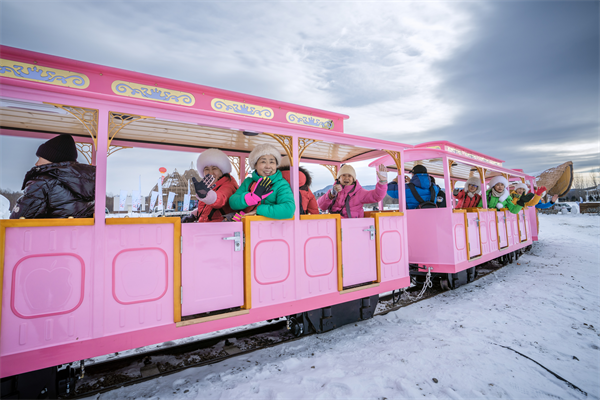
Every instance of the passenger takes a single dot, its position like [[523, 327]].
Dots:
[[499, 197], [530, 199], [264, 193], [58, 186], [308, 202], [469, 196], [215, 189], [441, 197], [543, 206], [421, 192], [347, 196]]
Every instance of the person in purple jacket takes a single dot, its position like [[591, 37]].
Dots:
[[347, 196]]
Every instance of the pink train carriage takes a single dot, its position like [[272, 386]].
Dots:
[[73, 289], [451, 242]]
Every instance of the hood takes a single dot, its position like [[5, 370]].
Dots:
[[421, 180], [77, 178], [473, 181], [304, 175]]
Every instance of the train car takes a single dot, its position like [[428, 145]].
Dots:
[[74, 289], [448, 243]]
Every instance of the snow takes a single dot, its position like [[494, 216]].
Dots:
[[544, 306]]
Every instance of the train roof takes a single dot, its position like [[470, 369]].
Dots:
[[174, 113], [464, 161]]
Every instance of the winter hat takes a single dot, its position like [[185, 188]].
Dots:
[[285, 162], [263, 150], [498, 179], [58, 149], [475, 182], [419, 169], [346, 169], [213, 157], [522, 186]]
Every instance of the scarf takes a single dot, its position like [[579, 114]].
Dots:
[[496, 194], [470, 194]]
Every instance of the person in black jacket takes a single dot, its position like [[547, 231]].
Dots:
[[58, 186]]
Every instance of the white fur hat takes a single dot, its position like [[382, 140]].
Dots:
[[285, 162], [475, 182], [263, 150], [346, 169], [522, 186], [213, 157], [498, 179]]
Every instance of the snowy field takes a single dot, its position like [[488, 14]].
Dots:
[[545, 306]]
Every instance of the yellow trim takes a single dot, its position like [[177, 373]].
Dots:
[[53, 76], [285, 142], [142, 221], [460, 210], [80, 114], [377, 215], [303, 144], [356, 289], [211, 318], [467, 236], [497, 228], [397, 158]]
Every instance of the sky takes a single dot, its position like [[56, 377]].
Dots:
[[517, 80]]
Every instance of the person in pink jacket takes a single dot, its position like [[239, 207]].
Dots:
[[347, 197]]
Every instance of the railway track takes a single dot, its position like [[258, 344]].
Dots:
[[131, 369]]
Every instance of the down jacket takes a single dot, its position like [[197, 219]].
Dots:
[[422, 183], [279, 205], [358, 197], [505, 200], [535, 200], [308, 200], [57, 190], [465, 201], [224, 188]]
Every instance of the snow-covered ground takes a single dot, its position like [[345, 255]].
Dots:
[[546, 306]]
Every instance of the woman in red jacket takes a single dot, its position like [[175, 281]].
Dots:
[[215, 189], [308, 201], [468, 197]]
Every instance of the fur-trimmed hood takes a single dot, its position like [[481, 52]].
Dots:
[[304, 175]]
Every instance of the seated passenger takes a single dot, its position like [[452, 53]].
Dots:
[[421, 192], [308, 202], [264, 193], [498, 196], [529, 199], [347, 196], [441, 198], [469, 196], [58, 186], [215, 189]]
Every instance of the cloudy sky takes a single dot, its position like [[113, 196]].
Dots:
[[516, 80]]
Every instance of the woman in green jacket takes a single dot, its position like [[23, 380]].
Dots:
[[499, 197], [266, 192]]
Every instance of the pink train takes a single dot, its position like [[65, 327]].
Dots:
[[73, 289]]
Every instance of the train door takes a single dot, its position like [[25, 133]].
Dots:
[[473, 235], [501, 227], [358, 251], [522, 226], [512, 228], [393, 247], [212, 267]]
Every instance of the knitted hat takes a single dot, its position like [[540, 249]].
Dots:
[[475, 182], [285, 162], [522, 186], [58, 149], [263, 150], [498, 179], [419, 169], [213, 158], [346, 169]]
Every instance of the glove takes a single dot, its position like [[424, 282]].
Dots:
[[188, 218], [261, 191], [499, 206], [524, 199], [382, 174], [455, 192], [238, 216], [202, 188], [540, 190]]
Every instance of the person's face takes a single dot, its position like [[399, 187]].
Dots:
[[42, 161], [214, 171], [499, 187], [346, 179], [520, 191], [472, 188], [266, 165]]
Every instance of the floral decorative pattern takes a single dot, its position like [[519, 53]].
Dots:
[[37, 73], [234, 107], [309, 120], [136, 90]]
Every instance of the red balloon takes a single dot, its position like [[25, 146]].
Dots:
[[162, 169]]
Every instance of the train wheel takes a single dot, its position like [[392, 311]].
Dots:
[[445, 283], [511, 257], [295, 326]]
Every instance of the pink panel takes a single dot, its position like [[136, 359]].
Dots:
[[393, 247], [502, 227], [511, 225], [358, 251], [528, 218], [138, 293], [460, 238], [47, 278], [317, 273], [522, 226], [489, 236], [475, 247], [273, 280], [212, 272], [428, 229]]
